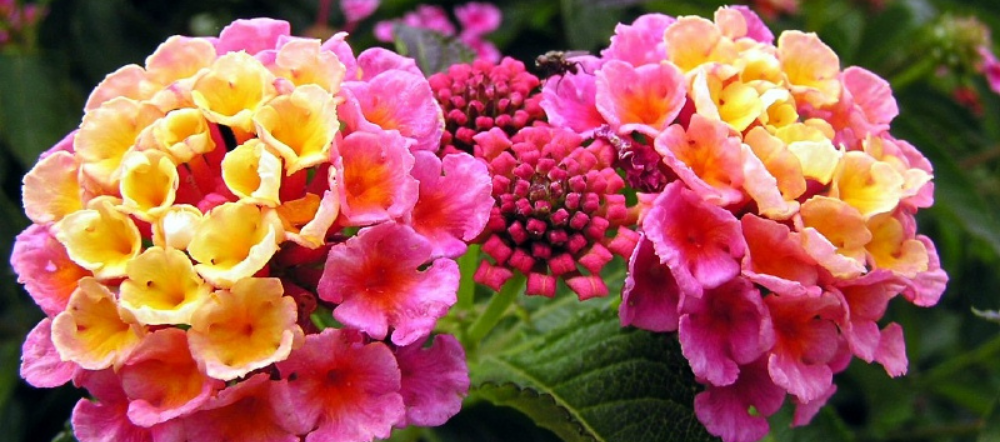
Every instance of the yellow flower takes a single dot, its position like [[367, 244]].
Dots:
[[93, 332], [253, 173], [232, 89], [51, 189], [163, 287], [234, 241], [107, 133], [100, 238], [148, 184], [245, 328], [301, 127]]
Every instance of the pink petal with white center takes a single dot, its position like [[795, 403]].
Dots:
[[706, 158], [341, 388], [434, 381], [478, 18], [375, 278], [105, 419], [645, 99], [41, 365], [701, 243], [641, 42], [163, 381], [927, 287], [776, 260], [725, 410], [727, 327], [45, 269], [373, 174], [453, 208], [51, 189], [402, 101], [252, 35], [650, 296], [244, 412], [569, 102], [806, 343]]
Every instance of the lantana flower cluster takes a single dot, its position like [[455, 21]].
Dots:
[[251, 238], [784, 223], [559, 209]]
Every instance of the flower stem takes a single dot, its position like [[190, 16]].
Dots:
[[467, 285], [495, 310]]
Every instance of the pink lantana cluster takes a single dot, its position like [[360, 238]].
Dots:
[[476, 19], [19, 21], [786, 220], [251, 238], [558, 201]]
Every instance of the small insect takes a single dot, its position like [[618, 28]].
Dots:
[[558, 63]]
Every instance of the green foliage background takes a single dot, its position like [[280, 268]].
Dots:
[[952, 392]]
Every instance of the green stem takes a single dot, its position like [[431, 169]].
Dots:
[[467, 285], [914, 72], [495, 311]]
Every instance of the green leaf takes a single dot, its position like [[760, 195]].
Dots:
[[34, 112], [588, 24], [433, 51], [826, 426], [588, 379], [991, 429]]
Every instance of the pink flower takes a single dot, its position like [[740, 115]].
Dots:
[[341, 388], [725, 328], [806, 343], [394, 99], [45, 269], [374, 177], [650, 296], [451, 209], [41, 365], [375, 278], [569, 101], [990, 68], [252, 36], [247, 411], [641, 42], [357, 10], [105, 419], [725, 410], [478, 18], [434, 380], [701, 243], [645, 99]]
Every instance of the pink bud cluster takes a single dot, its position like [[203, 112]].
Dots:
[[476, 18], [251, 237], [557, 205], [780, 220], [481, 96]]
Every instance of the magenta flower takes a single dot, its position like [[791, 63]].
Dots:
[[555, 202], [41, 365], [650, 296], [641, 42], [105, 419], [375, 279], [727, 327], [434, 380], [451, 209], [375, 184], [394, 99], [357, 10], [478, 18], [701, 243], [343, 388], [478, 97], [725, 410]]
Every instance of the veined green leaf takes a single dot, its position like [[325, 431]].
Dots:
[[432, 51]]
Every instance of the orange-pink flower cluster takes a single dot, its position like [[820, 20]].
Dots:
[[777, 214], [217, 210]]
